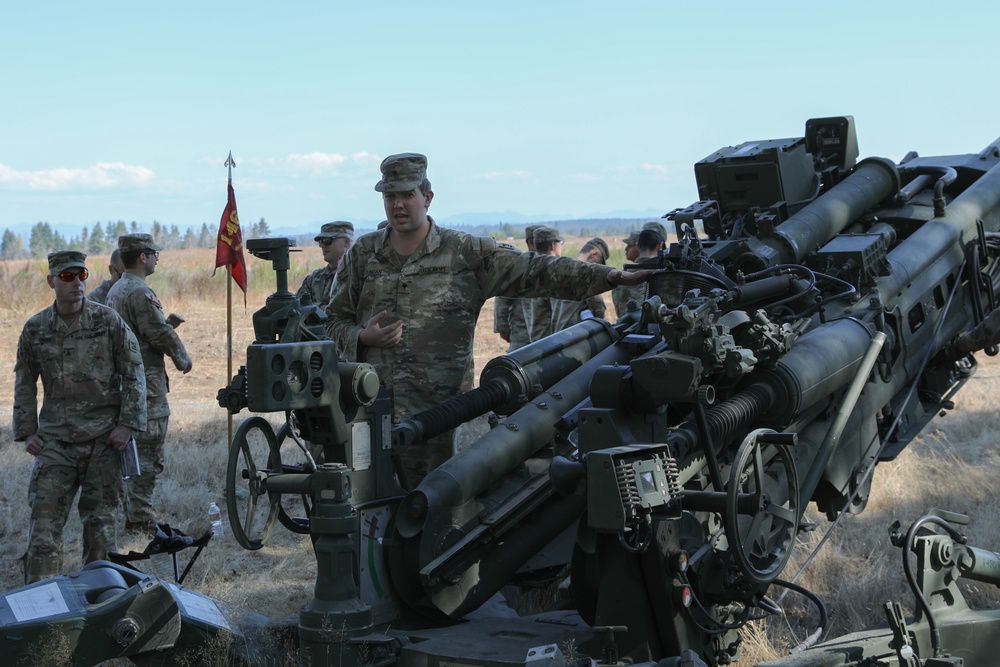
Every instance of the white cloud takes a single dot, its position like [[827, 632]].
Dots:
[[317, 164], [513, 175], [100, 176]]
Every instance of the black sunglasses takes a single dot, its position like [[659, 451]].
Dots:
[[325, 241], [70, 276], [151, 253]]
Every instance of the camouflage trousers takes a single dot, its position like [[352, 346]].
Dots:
[[92, 468], [420, 458], [139, 491]]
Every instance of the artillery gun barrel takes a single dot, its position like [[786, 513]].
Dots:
[[509, 381], [475, 469]]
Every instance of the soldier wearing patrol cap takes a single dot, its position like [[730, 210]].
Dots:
[[334, 239], [508, 313], [409, 295], [649, 242], [139, 306], [94, 399], [567, 313]]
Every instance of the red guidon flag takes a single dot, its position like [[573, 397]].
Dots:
[[229, 251]]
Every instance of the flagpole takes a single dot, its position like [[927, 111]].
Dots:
[[230, 163]]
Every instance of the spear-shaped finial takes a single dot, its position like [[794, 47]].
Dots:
[[230, 162]]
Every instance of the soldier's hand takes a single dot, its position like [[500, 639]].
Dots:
[[375, 335], [175, 320], [33, 444], [505, 335], [119, 436], [184, 366], [619, 277]]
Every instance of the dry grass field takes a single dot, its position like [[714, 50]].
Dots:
[[953, 465]]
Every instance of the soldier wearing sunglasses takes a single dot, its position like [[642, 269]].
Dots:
[[139, 306], [94, 400], [334, 239]]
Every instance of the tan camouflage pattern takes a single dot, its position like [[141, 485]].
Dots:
[[91, 372], [438, 294], [90, 466], [537, 317], [138, 305], [567, 313], [621, 294], [508, 318], [136, 243], [100, 293], [318, 285], [140, 515]]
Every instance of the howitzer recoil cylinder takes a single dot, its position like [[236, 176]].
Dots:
[[508, 382], [872, 181], [473, 470]]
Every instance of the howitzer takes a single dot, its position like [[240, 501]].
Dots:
[[790, 339]]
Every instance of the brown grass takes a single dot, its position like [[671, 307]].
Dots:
[[952, 465]]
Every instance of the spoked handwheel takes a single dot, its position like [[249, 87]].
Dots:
[[253, 456], [297, 459], [762, 506]]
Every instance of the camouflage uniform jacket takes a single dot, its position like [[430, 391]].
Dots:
[[100, 293], [136, 302], [508, 318], [567, 313], [91, 371], [621, 294], [438, 293], [319, 285]]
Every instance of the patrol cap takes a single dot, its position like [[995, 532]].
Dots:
[[66, 259], [600, 244], [402, 172], [136, 243], [544, 234], [655, 227], [336, 230], [631, 239]]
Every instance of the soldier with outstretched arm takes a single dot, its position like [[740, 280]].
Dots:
[[408, 298]]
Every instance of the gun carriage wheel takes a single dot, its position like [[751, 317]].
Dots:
[[253, 445], [296, 524], [762, 506]]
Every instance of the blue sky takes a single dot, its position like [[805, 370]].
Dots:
[[115, 110]]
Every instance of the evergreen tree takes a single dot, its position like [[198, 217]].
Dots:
[[174, 237], [263, 229], [41, 240], [119, 230], [98, 241], [12, 245], [205, 238], [190, 240], [157, 231], [84, 241]]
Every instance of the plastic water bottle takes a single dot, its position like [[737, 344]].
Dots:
[[215, 516]]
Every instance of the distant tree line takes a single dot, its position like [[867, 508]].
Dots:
[[101, 239]]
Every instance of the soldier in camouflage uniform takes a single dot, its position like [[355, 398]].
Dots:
[[94, 400], [408, 298], [567, 313], [508, 313], [538, 310], [116, 269], [334, 239], [138, 305], [648, 244]]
